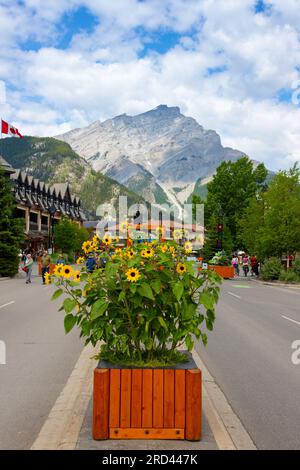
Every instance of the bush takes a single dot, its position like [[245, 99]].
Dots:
[[296, 266], [271, 269], [289, 276]]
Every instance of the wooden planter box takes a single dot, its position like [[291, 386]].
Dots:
[[131, 403], [227, 272], [51, 270]]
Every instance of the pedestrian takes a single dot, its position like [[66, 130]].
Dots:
[[91, 263], [253, 264], [28, 266], [45, 265], [245, 263], [60, 260], [235, 264]]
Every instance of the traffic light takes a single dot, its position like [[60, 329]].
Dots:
[[219, 236]]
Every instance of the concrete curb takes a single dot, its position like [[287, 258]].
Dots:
[[277, 284], [226, 427], [61, 429]]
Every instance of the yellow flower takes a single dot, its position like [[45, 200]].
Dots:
[[67, 272], [177, 234], [88, 246], [118, 251], [106, 240], [164, 248], [130, 254], [132, 274], [76, 276], [172, 249], [148, 253], [58, 270], [188, 247], [47, 278], [181, 268], [124, 227], [80, 260], [117, 239], [160, 230], [95, 240]]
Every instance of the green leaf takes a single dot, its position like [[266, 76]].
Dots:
[[189, 343], [69, 305], [98, 309], [57, 294], [207, 300], [162, 323], [145, 291], [178, 290], [69, 322], [156, 286]]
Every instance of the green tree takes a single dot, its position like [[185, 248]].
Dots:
[[11, 230], [271, 224], [231, 190], [69, 236], [211, 244]]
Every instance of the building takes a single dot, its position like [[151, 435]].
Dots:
[[41, 206]]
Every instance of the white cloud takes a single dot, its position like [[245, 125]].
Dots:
[[102, 74]]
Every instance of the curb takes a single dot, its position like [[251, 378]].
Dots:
[[277, 284], [61, 429], [228, 430], [4, 279]]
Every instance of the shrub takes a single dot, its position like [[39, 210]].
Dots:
[[143, 304], [289, 276], [296, 266], [271, 269]]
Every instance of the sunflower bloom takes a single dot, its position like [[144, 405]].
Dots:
[[160, 230], [163, 248], [177, 234], [148, 253], [67, 272], [76, 276], [58, 270], [132, 274], [95, 240], [107, 240], [87, 246], [130, 254], [181, 268], [47, 278], [80, 260], [188, 247]]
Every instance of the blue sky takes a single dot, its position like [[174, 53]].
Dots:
[[233, 65]]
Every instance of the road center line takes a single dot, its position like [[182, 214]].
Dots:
[[290, 319], [234, 295], [9, 303]]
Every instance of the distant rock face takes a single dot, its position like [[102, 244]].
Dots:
[[162, 153]]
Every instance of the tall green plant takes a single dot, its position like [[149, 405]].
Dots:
[[145, 303]]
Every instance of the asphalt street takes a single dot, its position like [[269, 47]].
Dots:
[[40, 358], [249, 354]]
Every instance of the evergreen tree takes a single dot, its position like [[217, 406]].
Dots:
[[11, 230]]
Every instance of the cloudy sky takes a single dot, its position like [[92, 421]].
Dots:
[[233, 65]]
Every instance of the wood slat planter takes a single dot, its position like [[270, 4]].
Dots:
[[147, 403], [227, 272]]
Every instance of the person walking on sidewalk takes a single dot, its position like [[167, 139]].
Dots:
[[45, 265], [28, 266], [245, 263], [235, 264]]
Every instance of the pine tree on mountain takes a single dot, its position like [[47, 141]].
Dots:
[[11, 230]]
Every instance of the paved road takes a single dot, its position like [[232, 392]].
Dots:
[[40, 359], [249, 354]]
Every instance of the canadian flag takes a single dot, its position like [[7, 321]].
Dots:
[[10, 130]]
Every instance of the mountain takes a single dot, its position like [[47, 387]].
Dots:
[[53, 161], [160, 154]]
